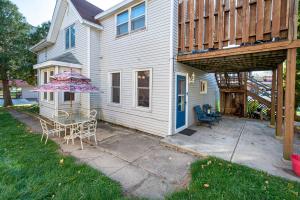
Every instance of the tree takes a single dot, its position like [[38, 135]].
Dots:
[[17, 36], [13, 34]]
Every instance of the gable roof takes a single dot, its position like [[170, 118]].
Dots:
[[86, 10]]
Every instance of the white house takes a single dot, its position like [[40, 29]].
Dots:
[[129, 52]]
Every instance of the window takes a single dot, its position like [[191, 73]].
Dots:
[[51, 94], [203, 87], [115, 87], [68, 96], [70, 37], [45, 81], [143, 86], [122, 23], [138, 17]]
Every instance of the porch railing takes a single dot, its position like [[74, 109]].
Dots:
[[216, 24]]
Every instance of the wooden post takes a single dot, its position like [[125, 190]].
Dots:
[[279, 101], [289, 103], [273, 98], [245, 93]]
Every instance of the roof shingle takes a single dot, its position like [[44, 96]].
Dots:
[[87, 10]]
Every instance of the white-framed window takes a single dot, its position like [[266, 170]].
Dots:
[[132, 19], [51, 94], [70, 37], [115, 87], [68, 96], [45, 81], [122, 23], [203, 87], [45, 78], [143, 88], [138, 17]]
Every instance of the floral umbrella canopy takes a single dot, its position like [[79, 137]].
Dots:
[[72, 82]]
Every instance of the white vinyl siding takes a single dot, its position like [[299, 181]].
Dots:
[[149, 48]]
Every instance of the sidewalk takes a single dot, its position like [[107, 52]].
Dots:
[[143, 167]]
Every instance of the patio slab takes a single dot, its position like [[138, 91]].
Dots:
[[143, 167], [247, 142]]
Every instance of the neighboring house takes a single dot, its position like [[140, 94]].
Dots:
[[128, 52], [21, 89]]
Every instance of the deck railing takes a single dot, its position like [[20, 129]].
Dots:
[[215, 24]]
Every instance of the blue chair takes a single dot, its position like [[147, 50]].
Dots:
[[208, 111], [202, 117]]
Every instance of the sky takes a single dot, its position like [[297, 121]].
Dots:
[[39, 11]]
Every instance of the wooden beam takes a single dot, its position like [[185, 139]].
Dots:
[[200, 24], [232, 21], [182, 34], [279, 101], [246, 18], [245, 74], [260, 20], [221, 28], [276, 18], [293, 17], [192, 20], [211, 28], [272, 46], [273, 98], [289, 104]]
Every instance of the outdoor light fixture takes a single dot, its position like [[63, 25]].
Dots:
[[192, 78]]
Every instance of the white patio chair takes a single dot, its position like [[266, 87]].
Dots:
[[58, 127], [93, 114], [46, 131], [81, 132]]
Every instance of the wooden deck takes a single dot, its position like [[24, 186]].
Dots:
[[240, 36]]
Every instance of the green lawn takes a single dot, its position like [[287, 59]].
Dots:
[[35, 109], [218, 179], [32, 170]]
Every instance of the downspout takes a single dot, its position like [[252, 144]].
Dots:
[[171, 68]]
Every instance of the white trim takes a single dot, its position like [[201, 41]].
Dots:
[[57, 63], [171, 68], [187, 101], [109, 99], [149, 109], [88, 52], [90, 24], [113, 9]]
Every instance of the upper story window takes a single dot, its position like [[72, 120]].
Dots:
[[70, 37], [137, 19], [122, 23]]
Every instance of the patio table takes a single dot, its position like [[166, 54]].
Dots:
[[68, 122]]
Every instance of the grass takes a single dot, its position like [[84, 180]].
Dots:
[[32, 170], [35, 109], [217, 179]]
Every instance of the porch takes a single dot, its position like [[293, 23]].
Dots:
[[244, 141]]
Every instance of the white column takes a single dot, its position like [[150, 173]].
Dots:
[[56, 99]]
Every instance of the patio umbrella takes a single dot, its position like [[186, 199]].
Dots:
[[72, 82]]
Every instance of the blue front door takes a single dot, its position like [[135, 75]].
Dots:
[[180, 101]]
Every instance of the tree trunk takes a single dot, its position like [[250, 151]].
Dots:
[[6, 91]]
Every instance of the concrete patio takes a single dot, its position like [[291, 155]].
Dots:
[[247, 142], [137, 161]]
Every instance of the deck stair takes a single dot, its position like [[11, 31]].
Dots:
[[258, 93]]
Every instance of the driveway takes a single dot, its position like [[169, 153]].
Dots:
[[244, 141], [139, 162]]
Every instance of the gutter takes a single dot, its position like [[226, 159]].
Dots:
[[171, 69]]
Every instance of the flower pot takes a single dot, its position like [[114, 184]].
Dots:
[[296, 163]]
